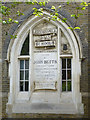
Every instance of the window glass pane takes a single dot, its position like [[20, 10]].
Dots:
[[63, 85], [63, 63], [26, 64], [21, 64], [69, 85], [68, 63], [63, 74], [25, 48], [21, 75], [68, 74], [26, 74], [26, 86], [21, 86]]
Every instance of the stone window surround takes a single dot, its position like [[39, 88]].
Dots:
[[15, 48]]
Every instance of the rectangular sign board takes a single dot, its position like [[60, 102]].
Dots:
[[45, 44], [45, 31], [45, 66], [45, 85]]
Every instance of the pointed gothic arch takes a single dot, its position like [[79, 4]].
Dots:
[[61, 35]]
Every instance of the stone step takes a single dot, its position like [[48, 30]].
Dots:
[[64, 108]]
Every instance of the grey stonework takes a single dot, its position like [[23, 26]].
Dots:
[[83, 34]]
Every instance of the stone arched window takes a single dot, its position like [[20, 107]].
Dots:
[[45, 68]]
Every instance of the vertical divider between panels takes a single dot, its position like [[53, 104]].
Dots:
[[59, 78], [66, 74], [24, 76], [61, 74], [30, 59]]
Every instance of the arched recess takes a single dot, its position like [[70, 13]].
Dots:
[[73, 97]]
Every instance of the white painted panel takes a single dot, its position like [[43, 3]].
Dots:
[[45, 66]]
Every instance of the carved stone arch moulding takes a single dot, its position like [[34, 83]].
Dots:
[[47, 40], [22, 20]]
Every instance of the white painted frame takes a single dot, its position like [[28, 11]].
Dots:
[[66, 74], [24, 80]]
